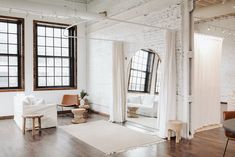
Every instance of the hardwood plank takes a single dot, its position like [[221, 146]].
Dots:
[[55, 142]]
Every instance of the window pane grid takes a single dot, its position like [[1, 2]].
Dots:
[[140, 71], [9, 55], [53, 57]]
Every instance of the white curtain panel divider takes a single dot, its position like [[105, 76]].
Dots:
[[118, 108], [206, 101], [167, 101]]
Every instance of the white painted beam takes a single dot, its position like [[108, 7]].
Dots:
[[142, 10], [39, 7], [216, 10]]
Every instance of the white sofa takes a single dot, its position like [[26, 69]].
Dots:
[[148, 104], [31, 105]]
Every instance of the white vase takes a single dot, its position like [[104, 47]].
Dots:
[[82, 102]]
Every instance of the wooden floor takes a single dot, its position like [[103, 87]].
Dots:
[[54, 142]]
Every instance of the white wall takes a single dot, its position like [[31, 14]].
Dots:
[[227, 79], [6, 103], [99, 74]]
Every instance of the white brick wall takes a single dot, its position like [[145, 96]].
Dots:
[[136, 37], [99, 74]]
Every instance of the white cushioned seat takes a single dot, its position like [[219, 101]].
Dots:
[[25, 105], [147, 104]]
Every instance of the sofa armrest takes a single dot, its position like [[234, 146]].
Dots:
[[37, 109]]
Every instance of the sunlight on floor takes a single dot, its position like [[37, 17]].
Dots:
[[145, 121]]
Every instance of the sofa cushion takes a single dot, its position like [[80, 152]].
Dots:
[[148, 100], [133, 105], [39, 102], [134, 99]]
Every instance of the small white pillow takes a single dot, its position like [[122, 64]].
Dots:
[[26, 101]]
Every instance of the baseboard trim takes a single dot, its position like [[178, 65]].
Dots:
[[64, 112], [100, 113], [6, 117]]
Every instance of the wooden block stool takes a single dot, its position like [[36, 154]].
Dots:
[[34, 127], [132, 112], [78, 115], [176, 126], [86, 113]]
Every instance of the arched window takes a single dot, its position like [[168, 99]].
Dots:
[[141, 71]]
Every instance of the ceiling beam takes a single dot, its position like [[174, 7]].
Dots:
[[131, 14], [214, 10], [215, 18]]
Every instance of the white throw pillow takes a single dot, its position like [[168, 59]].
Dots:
[[27, 101], [32, 100], [148, 100]]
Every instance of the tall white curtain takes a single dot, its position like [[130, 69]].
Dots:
[[167, 101], [117, 110], [206, 101]]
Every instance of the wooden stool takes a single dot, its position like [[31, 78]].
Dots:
[[78, 115], [34, 127], [176, 126], [132, 112]]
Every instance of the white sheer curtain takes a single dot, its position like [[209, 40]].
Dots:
[[167, 101], [117, 110], [206, 101]]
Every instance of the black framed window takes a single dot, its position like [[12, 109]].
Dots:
[[141, 71], [55, 56], [11, 53]]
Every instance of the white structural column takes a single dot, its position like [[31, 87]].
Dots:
[[118, 108], [183, 96]]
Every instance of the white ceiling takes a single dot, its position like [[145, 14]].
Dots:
[[62, 1]]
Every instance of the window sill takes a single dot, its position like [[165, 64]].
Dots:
[[11, 90], [61, 88], [138, 92]]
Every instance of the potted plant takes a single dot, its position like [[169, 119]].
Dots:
[[83, 95]]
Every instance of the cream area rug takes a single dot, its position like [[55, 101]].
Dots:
[[109, 137]]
